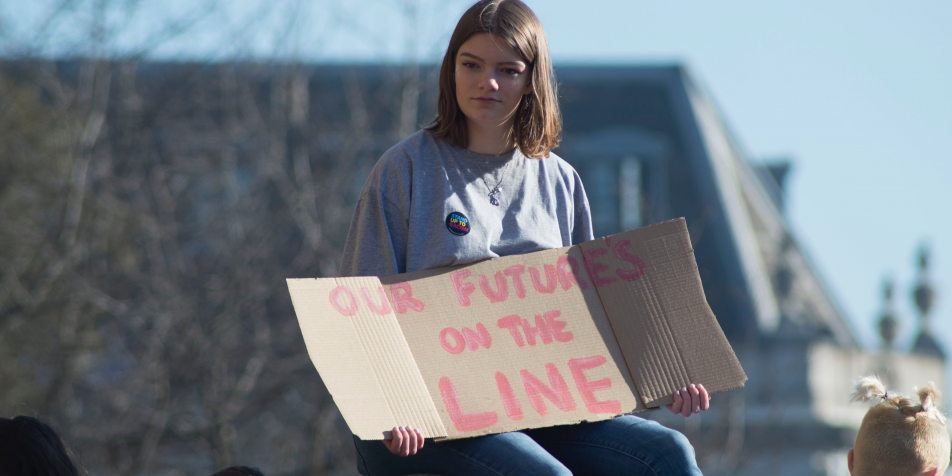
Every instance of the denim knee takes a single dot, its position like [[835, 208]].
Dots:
[[539, 468], [675, 446], [554, 468]]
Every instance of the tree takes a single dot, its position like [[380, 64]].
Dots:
[[151, 212]]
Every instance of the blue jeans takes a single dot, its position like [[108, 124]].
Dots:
[[626, 445]]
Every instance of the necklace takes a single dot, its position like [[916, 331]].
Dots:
[[493, 191]]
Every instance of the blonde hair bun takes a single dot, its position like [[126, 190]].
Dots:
[[868, 388], [929, 399]]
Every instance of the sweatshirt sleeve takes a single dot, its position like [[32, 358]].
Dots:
[[582, 228], [377, 239]]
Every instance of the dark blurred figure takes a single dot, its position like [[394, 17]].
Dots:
[[236, 471], [29, 447]]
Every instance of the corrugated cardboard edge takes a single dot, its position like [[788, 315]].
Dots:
[[364, 360], [672, 359]]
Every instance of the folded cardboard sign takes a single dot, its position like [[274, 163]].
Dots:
[[581, 333]]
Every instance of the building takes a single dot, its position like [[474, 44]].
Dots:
[[650, 145]]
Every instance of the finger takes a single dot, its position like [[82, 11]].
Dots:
[[399, 441], [705, 397], [420, 440], [405, 443], [695, 398], [411, 441], [686, 406], [393, 444], [676, 406]]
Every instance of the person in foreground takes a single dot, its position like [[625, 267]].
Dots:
[[481, 182], [29, 447], [899, 437]]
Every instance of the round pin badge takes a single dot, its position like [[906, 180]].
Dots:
[[457, 223]]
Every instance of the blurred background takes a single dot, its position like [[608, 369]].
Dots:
[[164, 166]]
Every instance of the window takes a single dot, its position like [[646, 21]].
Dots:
[[616, 194], [629, 193], [601, 184]]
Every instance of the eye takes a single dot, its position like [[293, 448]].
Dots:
[[511, 72], [469, 64]]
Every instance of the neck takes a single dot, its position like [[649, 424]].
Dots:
[[490, 140]]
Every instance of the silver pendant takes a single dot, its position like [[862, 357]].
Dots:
[[492, 198]]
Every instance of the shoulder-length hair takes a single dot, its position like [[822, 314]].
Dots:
[[538, 121]]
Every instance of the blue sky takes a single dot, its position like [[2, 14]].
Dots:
[[858, 94]]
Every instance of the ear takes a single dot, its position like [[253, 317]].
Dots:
[[849, 460], [930, 472]]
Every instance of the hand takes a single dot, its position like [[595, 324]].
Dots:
[[690, 399], [404, 441]]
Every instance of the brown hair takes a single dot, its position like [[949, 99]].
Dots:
[[30, 447], [899, 436], [538, 121]]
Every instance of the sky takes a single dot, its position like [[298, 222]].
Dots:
[[857, 94]]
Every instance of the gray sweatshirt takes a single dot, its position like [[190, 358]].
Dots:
[[426, 205]]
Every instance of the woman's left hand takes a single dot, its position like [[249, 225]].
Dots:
[[690, 399]]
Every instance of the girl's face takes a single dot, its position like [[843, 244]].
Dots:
[[491, 79]]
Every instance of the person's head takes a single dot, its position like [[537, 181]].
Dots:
[[239, 471], [899, 437], [497, 72], [29, 447]]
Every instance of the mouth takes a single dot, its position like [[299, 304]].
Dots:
[[485, 99]]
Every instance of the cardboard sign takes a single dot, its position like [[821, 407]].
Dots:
[[582, 333]]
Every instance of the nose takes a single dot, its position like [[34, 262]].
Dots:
[[490, 83]]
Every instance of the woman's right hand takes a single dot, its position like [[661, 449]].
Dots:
[[404, 441]]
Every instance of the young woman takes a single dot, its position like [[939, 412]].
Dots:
[[486, 162]]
